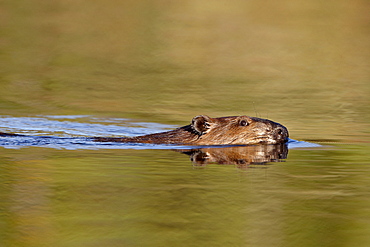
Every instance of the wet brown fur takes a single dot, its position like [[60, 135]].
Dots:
[[215, 131]]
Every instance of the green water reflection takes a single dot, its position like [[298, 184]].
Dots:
[[157, 198], [167, 61], [304, 64]]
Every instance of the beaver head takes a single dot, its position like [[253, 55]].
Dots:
[[237, 130]]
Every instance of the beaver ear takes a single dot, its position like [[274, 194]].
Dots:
[[200, 124]]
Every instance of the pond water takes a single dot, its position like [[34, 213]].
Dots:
[[70, 70]]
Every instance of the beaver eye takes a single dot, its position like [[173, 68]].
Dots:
[[243, 123]]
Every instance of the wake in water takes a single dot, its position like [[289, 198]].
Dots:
[[75, 132]]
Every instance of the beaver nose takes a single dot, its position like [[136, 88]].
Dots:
[[281, 133]]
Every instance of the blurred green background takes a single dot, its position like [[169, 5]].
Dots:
[[304, 64]]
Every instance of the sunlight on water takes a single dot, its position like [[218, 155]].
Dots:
[[70, 70]]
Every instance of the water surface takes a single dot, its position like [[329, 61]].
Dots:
[[74, 69]]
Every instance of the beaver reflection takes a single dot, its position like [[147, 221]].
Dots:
[[238, 155]]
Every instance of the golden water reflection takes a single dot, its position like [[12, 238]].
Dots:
[[304, 64], [240, 156]]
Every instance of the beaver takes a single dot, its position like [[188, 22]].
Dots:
[[204, 130]]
